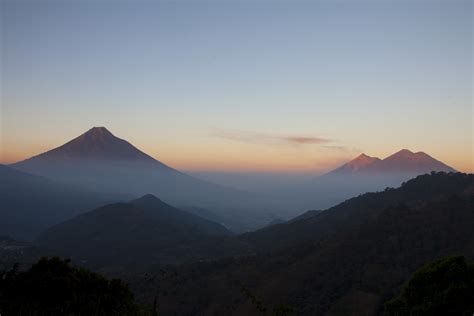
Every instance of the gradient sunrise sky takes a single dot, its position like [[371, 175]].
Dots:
[[282, 86]]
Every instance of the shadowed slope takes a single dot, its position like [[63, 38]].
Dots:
[[29, 203], [407, 161], [359, 163], [100, 161], [142, 231], [346, 260], [96, 143], [401, 162]]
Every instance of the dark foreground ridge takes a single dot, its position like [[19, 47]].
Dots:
[[349, 259], [55, 287]]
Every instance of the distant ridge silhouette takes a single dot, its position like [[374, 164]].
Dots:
[[360, 162], [102, 162], [403, 161], [364, 174], [30, 203], [99, 160], [142, 230], [97, 143]]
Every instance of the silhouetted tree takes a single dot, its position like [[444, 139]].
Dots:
[[283, 310], [55, 287], [279, 310], [443, 287]]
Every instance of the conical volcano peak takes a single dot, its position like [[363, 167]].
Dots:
[[360, 162], [407, 161], [403, 153], [99, 131], [148, 200], [406, 154], [98, 135], [98, 143], [363, 157]]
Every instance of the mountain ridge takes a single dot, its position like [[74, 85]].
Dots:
[[346, 260], [141, 230], [31, 203], [356, 164], [401, 161], [101, 161], [96, 143]]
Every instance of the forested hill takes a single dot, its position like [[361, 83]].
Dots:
[[348, 259], [359, 210]]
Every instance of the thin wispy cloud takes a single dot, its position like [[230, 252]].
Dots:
[[307, 140], [342, 148], [268, 139]]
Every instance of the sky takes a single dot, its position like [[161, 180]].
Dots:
[[241, 86]]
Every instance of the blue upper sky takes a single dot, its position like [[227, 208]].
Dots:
[[229, 85]]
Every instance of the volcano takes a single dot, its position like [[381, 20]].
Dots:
[[100, 161], [401, 162]]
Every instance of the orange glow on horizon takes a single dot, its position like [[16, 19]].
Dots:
[[282, 161], [216, 155]]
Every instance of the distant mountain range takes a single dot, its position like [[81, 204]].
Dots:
[[347, 259], [364, 174], [104, 163], [99, 162], [400, 163], [143, 230], [30, 203]]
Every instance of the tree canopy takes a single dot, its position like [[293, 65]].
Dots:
[[56, 287], [443, 287]]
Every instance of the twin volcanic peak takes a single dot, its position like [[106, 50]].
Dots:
[[403, 161], [103, 163], [360, 162], [98, 143]]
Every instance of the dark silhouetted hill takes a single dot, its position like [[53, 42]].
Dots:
[[442, 287], [347, 260], [143, 231], [103, 162], [55, 287], [30, 204]]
